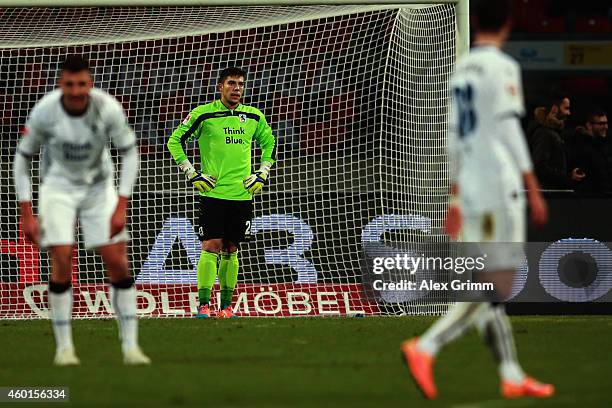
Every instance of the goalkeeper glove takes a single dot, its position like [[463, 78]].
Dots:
[[255, 182], [203, 182]]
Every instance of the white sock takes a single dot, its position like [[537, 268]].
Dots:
[[447, 328], [495, 326], [60, 311], [511, 371], [124, 304]]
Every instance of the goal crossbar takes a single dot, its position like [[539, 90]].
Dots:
[[177, 3], [462, 10]]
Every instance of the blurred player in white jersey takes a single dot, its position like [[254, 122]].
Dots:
[[490, 169], [74, 125]]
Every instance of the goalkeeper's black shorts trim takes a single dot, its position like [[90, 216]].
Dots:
[[226, 219]]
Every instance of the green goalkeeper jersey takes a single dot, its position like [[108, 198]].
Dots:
[[225, 137]]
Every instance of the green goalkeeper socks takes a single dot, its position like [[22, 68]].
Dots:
[[228, 276], [207, 271]]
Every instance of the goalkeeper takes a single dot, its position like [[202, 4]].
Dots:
[[224, 130]]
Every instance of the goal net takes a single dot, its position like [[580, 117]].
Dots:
[[356, 96]]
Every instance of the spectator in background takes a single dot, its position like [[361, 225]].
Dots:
[[592, 153], [548, 148]]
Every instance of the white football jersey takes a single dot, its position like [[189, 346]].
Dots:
[[486, 90], [76, 148]]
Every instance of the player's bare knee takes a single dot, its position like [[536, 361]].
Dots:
[[229, 246], [62, 265], [117, 268], [115, 260], [61, 262], [61, 276], [212, 245]]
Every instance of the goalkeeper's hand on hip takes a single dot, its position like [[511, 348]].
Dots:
[[203, 182], [255, 182]]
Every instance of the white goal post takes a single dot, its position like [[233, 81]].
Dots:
[[355, 92]]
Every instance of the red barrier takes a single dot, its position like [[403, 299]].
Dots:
[[19, 300]]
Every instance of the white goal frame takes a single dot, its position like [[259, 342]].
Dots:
[[463, 6]]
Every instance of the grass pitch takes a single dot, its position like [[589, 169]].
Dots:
[[336, 362]]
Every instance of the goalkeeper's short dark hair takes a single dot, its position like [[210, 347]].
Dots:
[[490, 15], [231, 71], [75, 63]]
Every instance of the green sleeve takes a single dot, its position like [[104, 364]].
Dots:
[[187, 131], [266, 141]]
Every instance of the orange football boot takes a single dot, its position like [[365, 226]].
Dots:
[[226, 313], [528, 388], [420, 365], [203, 312]]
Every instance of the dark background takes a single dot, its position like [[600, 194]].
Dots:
[[571, 215], [565, 20]]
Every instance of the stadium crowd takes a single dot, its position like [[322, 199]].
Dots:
[[578, 159]]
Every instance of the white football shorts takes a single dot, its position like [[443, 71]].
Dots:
[[93, 206], [500, 233]]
